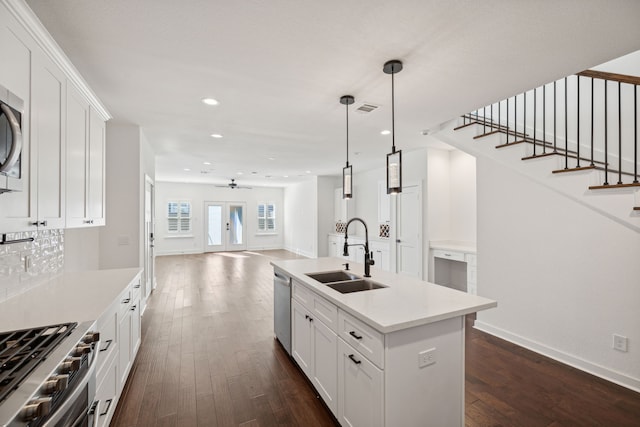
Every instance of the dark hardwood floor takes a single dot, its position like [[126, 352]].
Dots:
[[208, 358]]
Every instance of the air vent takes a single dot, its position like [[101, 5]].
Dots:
[[367, 108]]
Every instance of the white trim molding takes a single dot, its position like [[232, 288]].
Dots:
[[25, 16], [566, 358]]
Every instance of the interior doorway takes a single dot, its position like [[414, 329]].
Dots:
[[225, 226], [149, 233], [409, 231]]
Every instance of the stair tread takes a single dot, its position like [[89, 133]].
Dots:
[[581, 168], [608, 186]]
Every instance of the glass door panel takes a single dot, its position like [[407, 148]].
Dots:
[[225, 230], [236, 227]]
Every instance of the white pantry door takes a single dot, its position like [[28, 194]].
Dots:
[[409, 234], [225, 226]]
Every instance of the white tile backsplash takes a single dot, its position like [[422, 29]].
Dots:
[[46, 255]]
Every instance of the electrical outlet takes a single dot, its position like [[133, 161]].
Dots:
[[426, 358], [620, 343]]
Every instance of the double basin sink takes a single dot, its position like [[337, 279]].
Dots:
[[345, 282]]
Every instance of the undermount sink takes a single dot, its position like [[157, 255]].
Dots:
[[332, 276], [355, 286]]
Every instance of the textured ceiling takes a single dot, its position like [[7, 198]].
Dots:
[[279, 67]]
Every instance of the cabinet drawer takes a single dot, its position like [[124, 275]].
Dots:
[[106, 395], [124, 303], [452, 255], [135, 289], [302, 294], [325, 311], [107, 326], [362, 337]]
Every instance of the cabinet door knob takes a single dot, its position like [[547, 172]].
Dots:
[[354, 360]]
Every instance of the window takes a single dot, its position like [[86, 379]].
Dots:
[[266, 217], [178, 217]]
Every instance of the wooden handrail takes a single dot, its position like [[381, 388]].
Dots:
[[634, 80]]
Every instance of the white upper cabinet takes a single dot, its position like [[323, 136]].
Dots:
[[63, 127], [77, 159], [384, 203], [85, 162], [341, 207], [96, 168], [47, 138], [18, 209]]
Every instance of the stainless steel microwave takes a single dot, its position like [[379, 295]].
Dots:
[[11, 109]]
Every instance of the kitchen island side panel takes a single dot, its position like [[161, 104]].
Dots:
[[432, 395]]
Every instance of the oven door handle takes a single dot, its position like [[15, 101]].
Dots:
[[79, 389], [16, 147]]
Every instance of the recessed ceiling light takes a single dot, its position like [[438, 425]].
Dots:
[[286, 176], [216, 135], [210, 101], [187, 169], [206, 163], [307, 171], [385, 132], [239, 173], [271, 158]]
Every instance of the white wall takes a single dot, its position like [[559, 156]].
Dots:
[[439, 194], [565, 277], [463, 207], [82, 249], [301, 218], [119, 238], [326, 223], [198, 194]]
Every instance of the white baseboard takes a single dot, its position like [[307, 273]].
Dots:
[[299, 252], [191, 252], [568, 359]]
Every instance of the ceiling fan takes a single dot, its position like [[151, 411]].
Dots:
[[233, 185]]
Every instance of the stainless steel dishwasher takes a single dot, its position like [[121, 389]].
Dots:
[[282, 309]]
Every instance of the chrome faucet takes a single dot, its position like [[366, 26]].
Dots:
[[368, 256]]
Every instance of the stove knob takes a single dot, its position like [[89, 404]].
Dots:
[[36, 408], [70, 364], [81, 349], [91, 337], [55, 384]]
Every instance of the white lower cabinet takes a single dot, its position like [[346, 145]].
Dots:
[[106, 394], [315, 347], [120, 339], [360, 389]]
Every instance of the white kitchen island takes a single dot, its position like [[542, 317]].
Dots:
[[384, 357]]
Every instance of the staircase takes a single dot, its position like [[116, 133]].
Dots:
[[578, 136]]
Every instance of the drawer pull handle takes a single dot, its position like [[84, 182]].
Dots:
[[134, 307], [108, 345], [447, 254], [356, 336], [126, 301], [108, 401], [137, 286], [354, 360], [306, 316]]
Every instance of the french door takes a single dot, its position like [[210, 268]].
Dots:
[[225, 226]]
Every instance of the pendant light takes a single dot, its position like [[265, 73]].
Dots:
[[394, 159], [347, 171]]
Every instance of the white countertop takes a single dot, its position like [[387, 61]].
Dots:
[[453, 245], [70, 297], [405, 303]]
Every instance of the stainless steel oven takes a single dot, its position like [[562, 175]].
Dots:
[[48, 376], [11, 109]]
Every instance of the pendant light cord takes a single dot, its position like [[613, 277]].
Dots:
[[346, 106], [393, 116]]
